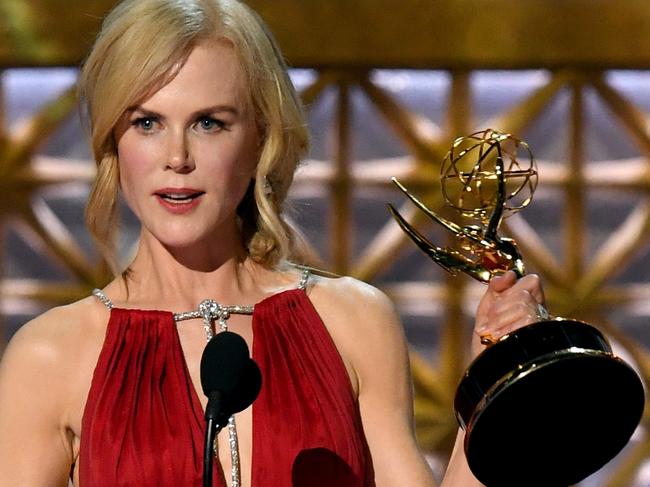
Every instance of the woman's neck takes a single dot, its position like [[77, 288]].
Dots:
[[178, 279]]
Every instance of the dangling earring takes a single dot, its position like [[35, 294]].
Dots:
[[268, 189]]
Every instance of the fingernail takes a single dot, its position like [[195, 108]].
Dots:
[[487, 340]]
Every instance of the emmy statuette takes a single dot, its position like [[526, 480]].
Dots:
[[548, 404]]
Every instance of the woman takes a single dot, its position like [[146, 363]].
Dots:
[[195, 121]]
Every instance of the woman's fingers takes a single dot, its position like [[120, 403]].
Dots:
[[508, 304], [508, 315], [502, 282], [529, 282]]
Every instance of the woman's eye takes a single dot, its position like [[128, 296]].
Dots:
[[210, 124], [146, 124]]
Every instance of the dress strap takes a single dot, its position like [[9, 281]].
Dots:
[[212, 311], [99, 294], [304, 279]]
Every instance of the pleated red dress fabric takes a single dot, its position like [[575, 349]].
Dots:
[[143, 422]]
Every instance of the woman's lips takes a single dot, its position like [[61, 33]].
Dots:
[[179, 201]]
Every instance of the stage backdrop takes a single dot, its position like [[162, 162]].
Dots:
[[388, 86]]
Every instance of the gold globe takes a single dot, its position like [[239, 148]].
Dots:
[[488, 172]]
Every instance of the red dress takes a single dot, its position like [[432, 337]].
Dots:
[[143, 422]]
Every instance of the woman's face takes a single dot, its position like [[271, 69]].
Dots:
[[188, 153]]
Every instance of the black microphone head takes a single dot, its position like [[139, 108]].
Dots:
[[249, 388], [223, 362]]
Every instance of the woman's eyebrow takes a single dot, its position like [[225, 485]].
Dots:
[[143, 111], [218, 109], [198, 113]]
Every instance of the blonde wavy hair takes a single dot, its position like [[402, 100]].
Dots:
[[140, 47]]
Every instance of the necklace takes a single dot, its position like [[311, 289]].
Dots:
[[212, 312]]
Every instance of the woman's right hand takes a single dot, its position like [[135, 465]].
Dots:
[[507, 304]]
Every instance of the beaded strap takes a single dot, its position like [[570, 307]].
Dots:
[[99, 294], [302, 285], [208, 308], [213, 312]]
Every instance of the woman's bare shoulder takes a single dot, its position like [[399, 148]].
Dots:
[[368, 334], [59, 336], [45, 375], [348, 296], [357, 312]]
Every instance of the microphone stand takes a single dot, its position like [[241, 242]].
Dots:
[[213, 414]]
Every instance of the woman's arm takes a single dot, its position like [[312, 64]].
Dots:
[[386, 398], [370, 338], [35, 446]]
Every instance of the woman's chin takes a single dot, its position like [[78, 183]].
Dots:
[[196, 247], [189, 243], [187, 239], [183, 236]]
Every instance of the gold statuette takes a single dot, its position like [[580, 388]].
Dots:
[[485, 176], [540, 394]]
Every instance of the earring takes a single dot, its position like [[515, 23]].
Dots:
[[268, 189]]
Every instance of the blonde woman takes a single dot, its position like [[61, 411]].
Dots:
[[195, 122]]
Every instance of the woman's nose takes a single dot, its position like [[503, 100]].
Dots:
[[179, 158]]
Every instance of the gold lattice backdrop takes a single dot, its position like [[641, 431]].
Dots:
[[585, 112]]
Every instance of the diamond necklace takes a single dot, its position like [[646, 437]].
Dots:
[[212, 312]]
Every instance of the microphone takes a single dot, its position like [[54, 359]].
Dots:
[[231, 380]]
